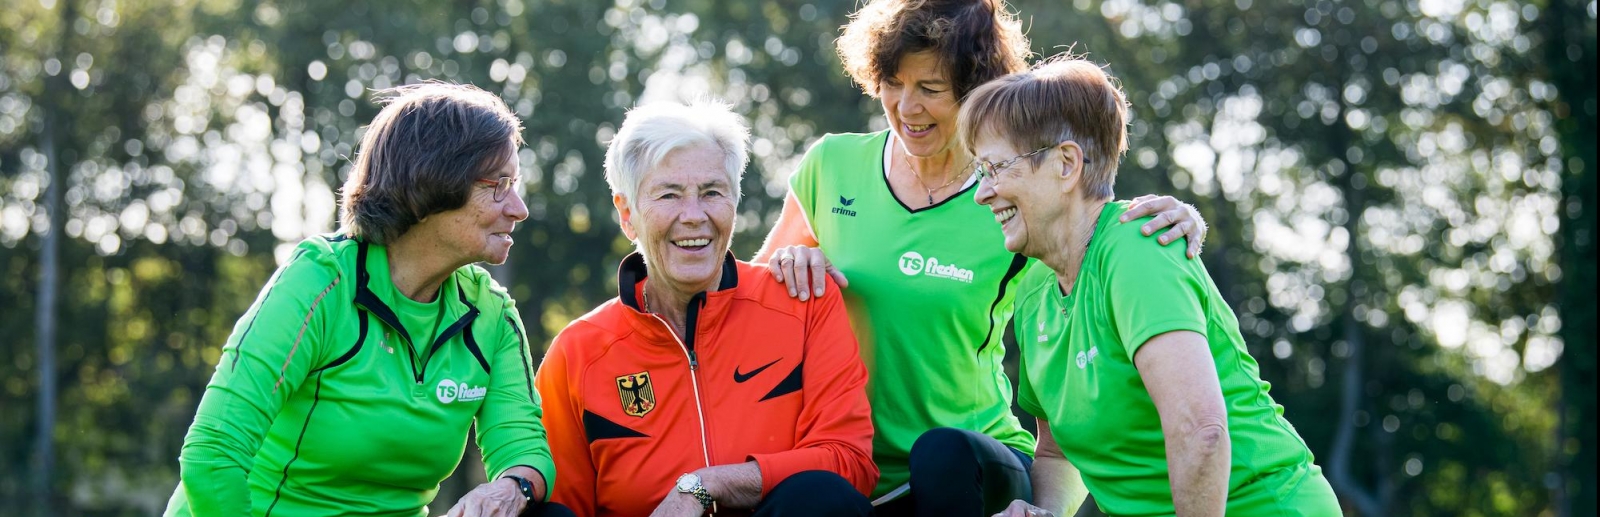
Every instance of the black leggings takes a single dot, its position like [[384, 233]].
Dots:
[[814, 493], [962, 473], [548, 510]]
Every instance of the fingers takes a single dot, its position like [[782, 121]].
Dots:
[[838, 277], [1172, 234], [1021, 509], [1161, 220], [1146, 205], [801, 275]]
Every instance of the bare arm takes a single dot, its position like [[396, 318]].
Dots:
[[1178, 370], [791, 229], [799, 263], [1056, 484]]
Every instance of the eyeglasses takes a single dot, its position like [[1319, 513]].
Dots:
[[987, 170], [502, 186]]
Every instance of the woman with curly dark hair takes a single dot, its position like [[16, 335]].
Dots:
[[926, 278]]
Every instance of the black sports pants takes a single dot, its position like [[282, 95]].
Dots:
[[962, 473]]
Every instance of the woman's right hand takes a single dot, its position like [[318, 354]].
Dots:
[[1022, 509], [804, 270]]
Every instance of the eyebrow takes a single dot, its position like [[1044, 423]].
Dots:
[[703, 186]]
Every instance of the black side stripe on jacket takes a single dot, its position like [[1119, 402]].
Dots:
[[316, 397], [472, 346], [522, 351], [790, 384], [598, 428], [1017, 262], [272, 285], [361, 338]]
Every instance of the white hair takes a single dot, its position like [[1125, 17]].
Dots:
[[652, 131]]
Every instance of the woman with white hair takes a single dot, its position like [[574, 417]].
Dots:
[[702, 386]]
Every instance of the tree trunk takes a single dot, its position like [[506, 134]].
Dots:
[[43, 474], [1570, 58]]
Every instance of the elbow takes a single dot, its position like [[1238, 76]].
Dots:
[[1208, 433]]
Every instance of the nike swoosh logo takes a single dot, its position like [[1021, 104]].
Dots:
[[741, 377]]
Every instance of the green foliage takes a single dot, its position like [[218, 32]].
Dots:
[[1400, 196]]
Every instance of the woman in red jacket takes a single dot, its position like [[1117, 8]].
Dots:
[[703, 386]]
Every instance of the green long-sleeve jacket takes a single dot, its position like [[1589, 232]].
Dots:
[[335, 394]]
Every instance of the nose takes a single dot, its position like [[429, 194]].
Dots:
[[515, 207], [985, 194], [694, 211]]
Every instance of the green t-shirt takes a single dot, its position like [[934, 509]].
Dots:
[[930, 292], [1078, 373], [319, 406]]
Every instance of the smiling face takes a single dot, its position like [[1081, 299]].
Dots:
[[479, 231], [1026, 200], [683, 218], [921, 105]]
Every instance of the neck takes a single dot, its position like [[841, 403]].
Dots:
[[932, 171], [1071, 241], [417, 268], [671, 302]]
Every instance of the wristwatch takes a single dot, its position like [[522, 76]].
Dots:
[[690, 484], [522, 486]]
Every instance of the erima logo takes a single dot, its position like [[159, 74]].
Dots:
[[1084, 358], [913, 264], [451, 391], [844, 202]]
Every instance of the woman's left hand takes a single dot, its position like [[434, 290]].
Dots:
[[1182, 219], [498, 498], [1022, 509]]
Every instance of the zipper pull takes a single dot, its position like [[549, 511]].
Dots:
[[694, 361]]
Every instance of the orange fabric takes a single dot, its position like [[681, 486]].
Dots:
[[780, 382]]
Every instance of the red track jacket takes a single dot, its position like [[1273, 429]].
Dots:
[[629, 407]]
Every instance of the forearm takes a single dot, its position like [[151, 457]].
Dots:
[[541, 488], [736, 486], [1198, 460], [1057, 486]]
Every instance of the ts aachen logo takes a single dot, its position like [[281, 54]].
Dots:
[[913, 264], [1085, 358], [451, 391], [843, 203]]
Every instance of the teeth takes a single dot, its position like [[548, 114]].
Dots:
[[1005, 215], [918, 129], [689, 243]]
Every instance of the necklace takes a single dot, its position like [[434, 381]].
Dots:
[[953, 178]]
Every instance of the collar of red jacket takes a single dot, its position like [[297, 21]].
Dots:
[[706, 309]]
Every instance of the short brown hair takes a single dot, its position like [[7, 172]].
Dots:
[[421, 155], [1060, 99], [975, 41]]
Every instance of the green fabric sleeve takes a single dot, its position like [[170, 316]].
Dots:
[[1154, 289], [268, 356], [509, 424], [1026, 398]]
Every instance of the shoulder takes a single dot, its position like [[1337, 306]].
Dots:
[[318, 261], [756, 285], [483, 292], [590, 334], [1036, 281], [845, 146]]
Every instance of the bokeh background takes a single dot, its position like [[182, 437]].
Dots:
[[1401, 197]]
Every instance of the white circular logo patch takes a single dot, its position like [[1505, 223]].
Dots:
[[911, 263], [447, 391]]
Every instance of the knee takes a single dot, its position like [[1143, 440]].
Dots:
[[943, 448], [550, 510], [818, 492]]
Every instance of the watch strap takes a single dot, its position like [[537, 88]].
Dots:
[[523, 485]]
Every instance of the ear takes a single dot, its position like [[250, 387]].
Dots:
[[624, 216], [1072, 165]]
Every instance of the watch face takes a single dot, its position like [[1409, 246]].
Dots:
[[687, 482]]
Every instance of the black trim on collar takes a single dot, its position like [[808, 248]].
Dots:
[[632, 270], [888, 141], [366, 299]]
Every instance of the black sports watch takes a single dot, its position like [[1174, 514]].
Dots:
[[522, 486]]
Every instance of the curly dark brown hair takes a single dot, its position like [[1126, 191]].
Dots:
[[975, 41]]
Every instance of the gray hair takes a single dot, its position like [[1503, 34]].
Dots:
[[649, 133]]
